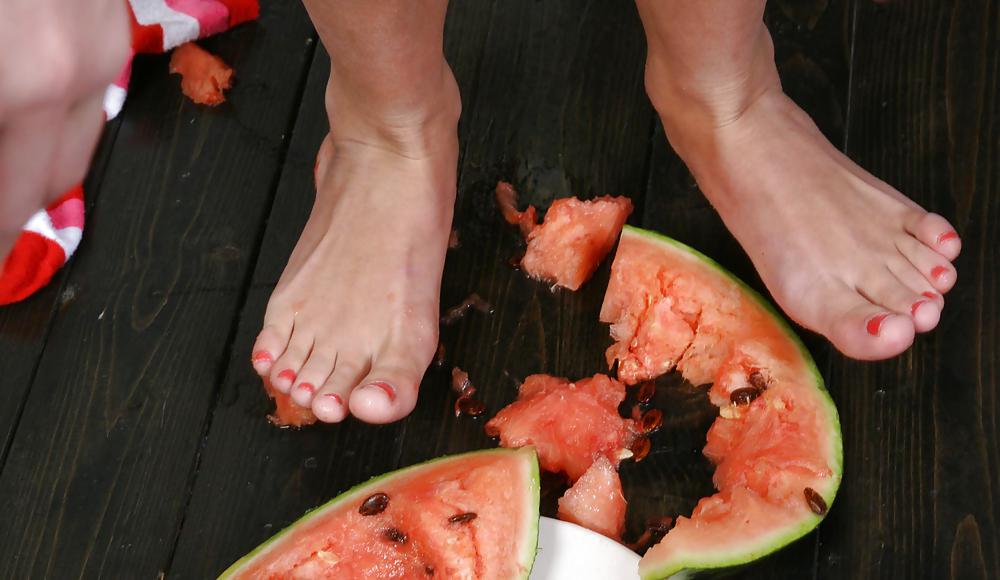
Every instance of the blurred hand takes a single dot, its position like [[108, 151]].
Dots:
[[56, 58]]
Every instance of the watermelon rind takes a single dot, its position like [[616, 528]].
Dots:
[[707, 563], [363, 490]]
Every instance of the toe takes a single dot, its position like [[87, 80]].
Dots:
[[884, 288], [331, 401], [935, 268], [270, 344], [926, 310], [314, 374], [389, 391], [286, 369], [936, 233], [862, 329]]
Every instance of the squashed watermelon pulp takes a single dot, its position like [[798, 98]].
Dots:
[[777, 442], [286, 412], [473, 515], [570, 424]]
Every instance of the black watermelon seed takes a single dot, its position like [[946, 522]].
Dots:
[[462, 518], [816, 502], [744, 396], [394, 535], [429, 570], [375, 504]]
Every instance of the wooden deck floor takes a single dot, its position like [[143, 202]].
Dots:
[[132, 431]]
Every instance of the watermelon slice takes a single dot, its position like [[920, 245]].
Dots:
[[473, 515], [595, 501], [570, 424], [777, 443]]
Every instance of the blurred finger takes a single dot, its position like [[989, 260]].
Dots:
[[28, 144]]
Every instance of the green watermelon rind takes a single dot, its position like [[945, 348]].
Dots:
[[361, 490], [693, 567]]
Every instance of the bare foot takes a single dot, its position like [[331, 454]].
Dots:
[[843, 253], [353, 323]]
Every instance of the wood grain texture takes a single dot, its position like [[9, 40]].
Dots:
[[921, 452], [98, 473]]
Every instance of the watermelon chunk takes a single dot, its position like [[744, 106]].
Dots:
[[286, 412], [473, 515], [777, 442], [569, 424], [204, 76], [595, 501]]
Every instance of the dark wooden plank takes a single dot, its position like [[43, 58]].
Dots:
[[100, 467], [24, 326], [921, 431], [255, 479], [812, 42]]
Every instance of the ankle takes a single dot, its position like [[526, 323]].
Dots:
[[415, 122], [697, 99]]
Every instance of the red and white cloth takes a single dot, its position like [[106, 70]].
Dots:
[[52, 235]]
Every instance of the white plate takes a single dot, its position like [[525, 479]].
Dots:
[[568, 552]]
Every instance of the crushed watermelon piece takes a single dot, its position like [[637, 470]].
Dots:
[[596, 501], [286, 412], [507, 202], [570, 424], [573, 239], [204, 76]]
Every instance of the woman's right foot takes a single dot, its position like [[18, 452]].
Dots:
[[353, 322]]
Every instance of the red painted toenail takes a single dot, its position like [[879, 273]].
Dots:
[[389, 391], [335, 397], [947, 236], [287, 374], [261, 356], [938, 272], [916, 305], [875, 324], [930, 295], [308, 387]]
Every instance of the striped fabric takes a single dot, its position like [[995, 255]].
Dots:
[[52, 235]]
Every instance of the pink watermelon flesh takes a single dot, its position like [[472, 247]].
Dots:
[[286, 412], [595, 501], [507, 202], [671, 308], [337, 541], [573, 239], [569, 424]]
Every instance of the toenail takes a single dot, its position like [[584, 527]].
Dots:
[[287, 374], [261, 356], [307, 387], [916, 305], [335, 397], [938, 272], [875, 323], [386, 387], [930, 295], [952, 235]]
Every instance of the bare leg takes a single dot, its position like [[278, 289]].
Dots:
[[843, 253], [353, 322]]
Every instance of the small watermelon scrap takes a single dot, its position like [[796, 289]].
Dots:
[[776, 444], [596, 501], [473, 515], [575, 236], [204, 76], [286, 412], [570, 424]]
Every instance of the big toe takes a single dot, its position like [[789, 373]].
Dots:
[[936, 233], [862, 329]]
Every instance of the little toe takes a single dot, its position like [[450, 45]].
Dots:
[[388, 393], [314, 374], [270, 344], [938, 271], [936, 233], [286, 369], [863, 330], [330, 404]]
